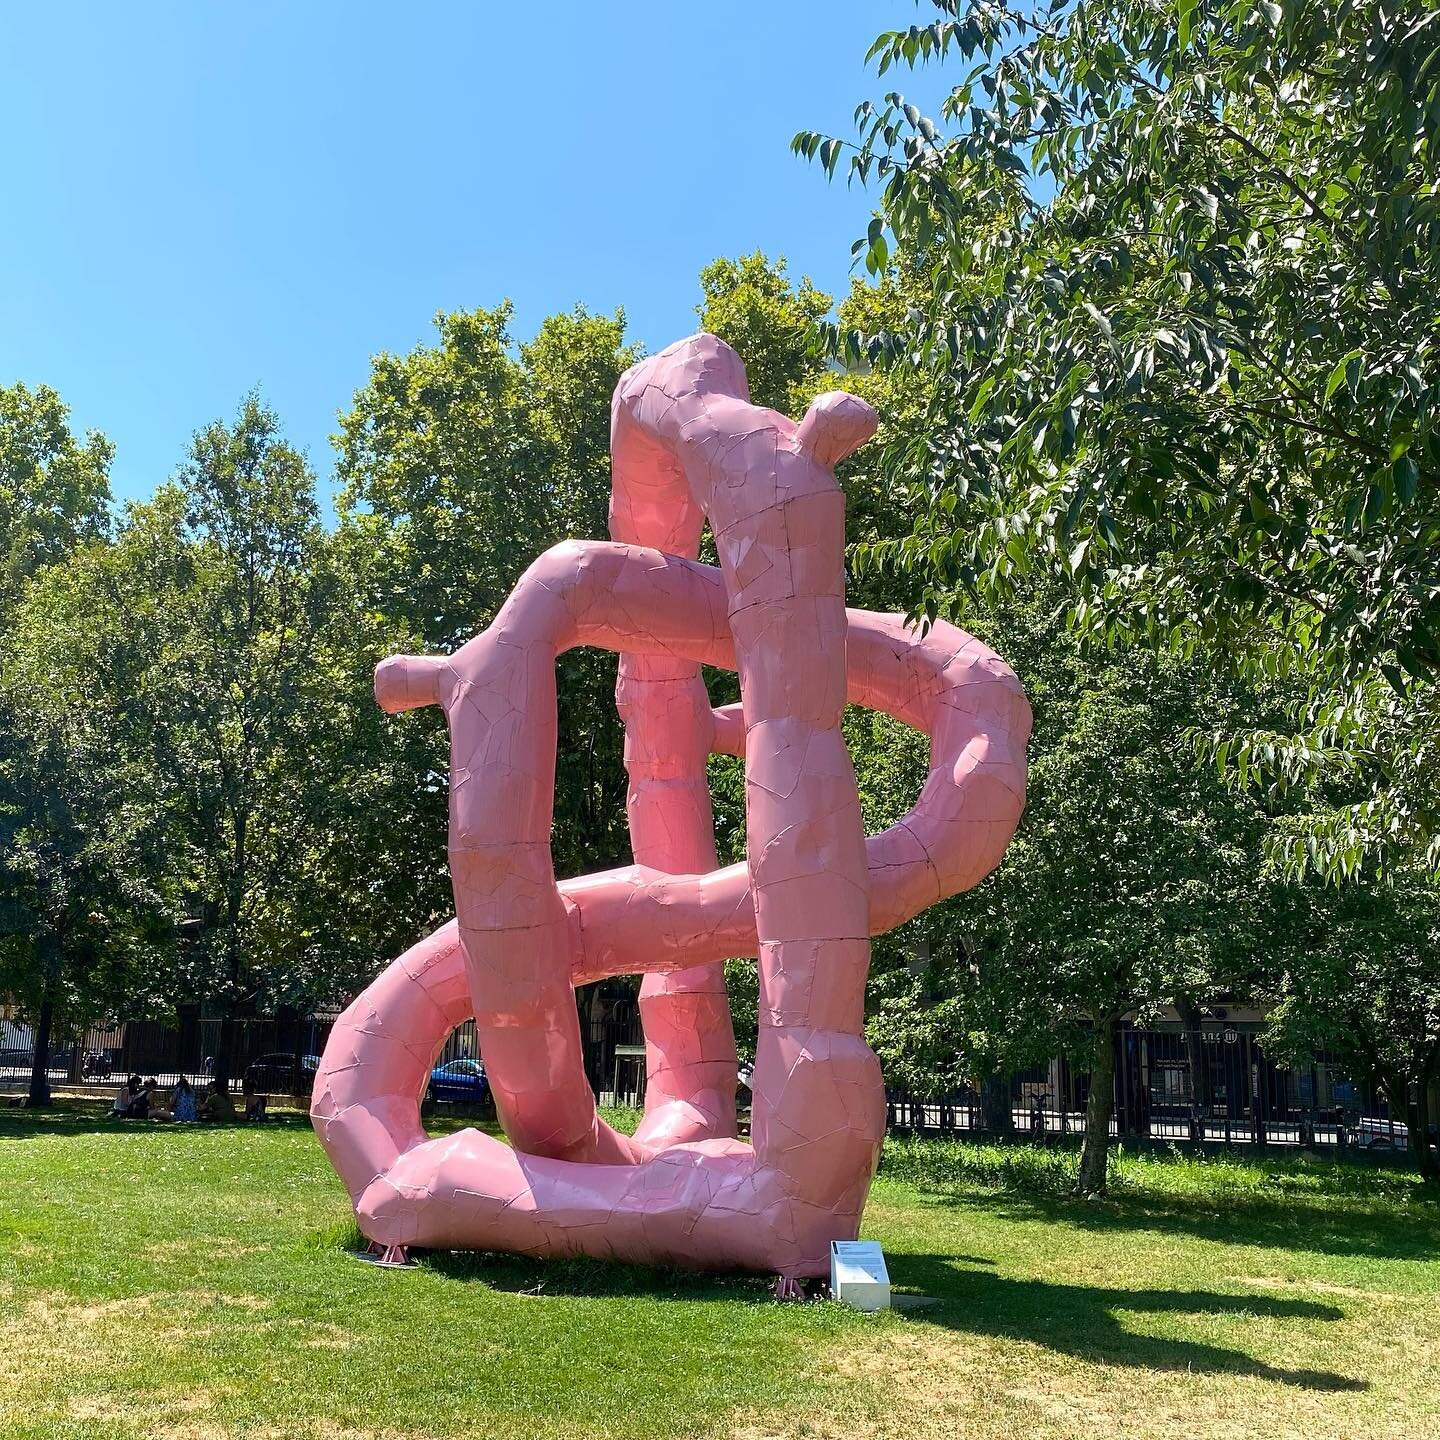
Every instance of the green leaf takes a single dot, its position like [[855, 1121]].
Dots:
[[1100, 321], [1337, 374], [1405, 477], [1184, 23]]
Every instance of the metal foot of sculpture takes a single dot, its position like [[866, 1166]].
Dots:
[[388, 1257], [687, 446]]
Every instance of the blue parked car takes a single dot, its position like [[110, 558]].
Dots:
[[459, 1082]]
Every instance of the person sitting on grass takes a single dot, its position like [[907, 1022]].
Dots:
[[182, 1102], [120, 1110], [158, 1109], [216, 1105], [139, 1099], [255, 1102]]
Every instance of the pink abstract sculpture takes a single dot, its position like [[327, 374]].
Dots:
[[687, 445]]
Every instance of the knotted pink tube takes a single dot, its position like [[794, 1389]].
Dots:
[[687, 445]]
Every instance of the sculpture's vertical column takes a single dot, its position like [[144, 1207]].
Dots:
[[778, 515], [819, 1100], [689, 1041], [690, 1061]]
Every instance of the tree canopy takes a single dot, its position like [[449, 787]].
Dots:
[[54, 488], [1179, 314]]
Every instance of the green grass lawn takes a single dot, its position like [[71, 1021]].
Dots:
[[186, 1284]]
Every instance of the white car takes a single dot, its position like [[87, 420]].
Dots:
[[1368, 1133]]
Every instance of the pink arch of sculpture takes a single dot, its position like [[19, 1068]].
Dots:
[[687, 445]]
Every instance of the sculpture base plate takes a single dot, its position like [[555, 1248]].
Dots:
[[390, 1257]]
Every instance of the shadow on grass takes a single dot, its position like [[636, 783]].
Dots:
[[81, 1117], [584, 1278], [86, 1118], [1081, 1320], [1076, 1320], [1411, 1232], [1291, 1202]]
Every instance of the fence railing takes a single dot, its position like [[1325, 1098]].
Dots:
[[101, 1056], [282, 1051], [963, 1117], [1215, 1087]]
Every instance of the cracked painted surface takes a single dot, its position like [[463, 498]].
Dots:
[[687, 446]]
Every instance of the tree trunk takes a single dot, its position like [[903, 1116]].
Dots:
[[40, 1061], [234, 907], [995, 1115], [1418, 1119], [1190, 1018], [1094, 1156], [224, 1053], [234, 903]]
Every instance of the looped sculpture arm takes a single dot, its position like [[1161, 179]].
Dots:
[[687, 445]]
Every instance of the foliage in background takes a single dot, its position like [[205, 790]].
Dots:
[[71, 905], [1355, 975], [82, 905], [1181, 309], [204, 631], [224, 644], [54, 488], [459, 464]]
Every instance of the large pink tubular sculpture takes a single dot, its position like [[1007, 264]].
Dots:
[[687, 445]]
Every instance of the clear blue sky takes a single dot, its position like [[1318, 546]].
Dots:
[[204, 198]]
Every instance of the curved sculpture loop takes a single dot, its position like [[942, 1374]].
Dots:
[[687, 446]]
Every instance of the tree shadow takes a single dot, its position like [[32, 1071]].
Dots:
[[1077, 1320], [585, 1278], [69, 1116], [1082, 1320], [1393, 1231], [88, 1119]]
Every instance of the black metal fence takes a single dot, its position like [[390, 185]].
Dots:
[[100, 1057], [1217, 1085]]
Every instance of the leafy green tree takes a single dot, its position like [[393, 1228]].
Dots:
[[81, 918], [54, 488], [1188, 365], [459, 464], [1133, 884], [1360, 981], [54, 491], [211, 626], [246, 699], [1134, 879], [752, 305]]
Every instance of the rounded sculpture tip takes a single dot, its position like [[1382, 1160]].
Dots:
[[836, 424], [406, 682]]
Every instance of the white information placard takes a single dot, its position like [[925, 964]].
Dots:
[[858, 1276]]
